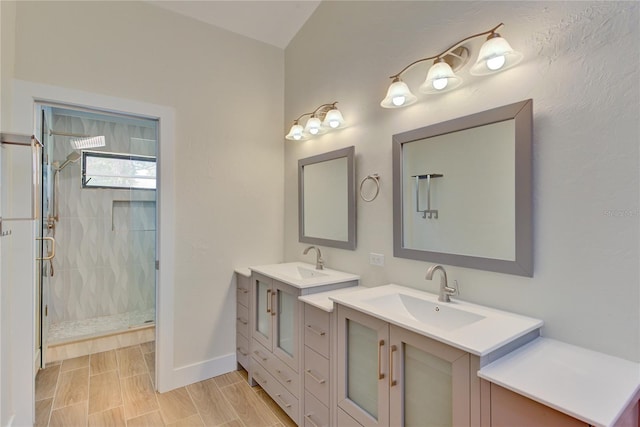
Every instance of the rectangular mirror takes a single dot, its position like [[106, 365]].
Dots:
[[462, 191], [326, 199]]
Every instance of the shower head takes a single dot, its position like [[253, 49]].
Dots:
[[73, 157], [90, 142]]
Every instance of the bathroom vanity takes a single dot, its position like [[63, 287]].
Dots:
[[345, 355], [276, 338]]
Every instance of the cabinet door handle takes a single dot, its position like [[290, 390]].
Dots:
[[243, 290], [316, 379], [316, 331], [286, 405], [268, 300], [243, 321], [380, 373], [273, 303], [308, 416], [257, 353], [288, 380], [392, 381], [241, 351]]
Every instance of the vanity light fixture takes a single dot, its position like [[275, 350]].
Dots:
[[325, 118], [495, 55]]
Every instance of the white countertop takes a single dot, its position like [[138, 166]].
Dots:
[[302, 275], [243, 271], [590, 386], [493, 330], [322, 300]]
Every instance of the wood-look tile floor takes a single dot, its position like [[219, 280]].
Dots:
[[115, 388]]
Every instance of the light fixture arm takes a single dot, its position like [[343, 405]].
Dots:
[[446, 51], [313, 113]]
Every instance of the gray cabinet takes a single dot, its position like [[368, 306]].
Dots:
[[242, 320], [318, 370], [390, 376]]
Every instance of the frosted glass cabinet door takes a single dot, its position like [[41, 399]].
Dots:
[[429, 382], [286, 324], [262, 322], [363, 345]]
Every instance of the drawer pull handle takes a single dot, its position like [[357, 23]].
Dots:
[[315, 331], [241, 351], [392, 381], [286, 405], [243, 290], [380, 373], [308, 416], [282, 376], [243, 321], [257, 353], [316, 379], [259, 378]]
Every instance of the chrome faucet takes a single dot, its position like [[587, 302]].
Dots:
[[319, 260], [445, 289]]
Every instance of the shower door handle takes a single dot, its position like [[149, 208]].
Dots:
[[51, 254]]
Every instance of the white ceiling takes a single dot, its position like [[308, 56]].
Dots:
[[270, 21]]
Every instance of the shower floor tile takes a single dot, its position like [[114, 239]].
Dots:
[[75, 329]]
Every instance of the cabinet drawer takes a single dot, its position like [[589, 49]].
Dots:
[[242, 288], [315, 413], [316, 329], [242, 351], [242, 320], [277, 391], [316, 375], [277, 368]]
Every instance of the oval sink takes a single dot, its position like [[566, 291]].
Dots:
[[474, 328], [434, 314]]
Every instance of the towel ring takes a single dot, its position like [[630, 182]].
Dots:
[[376, 179]]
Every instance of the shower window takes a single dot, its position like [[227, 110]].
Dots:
[[111, 170]]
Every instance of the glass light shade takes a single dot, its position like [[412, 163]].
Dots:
[[314, 126], [333, 119], [440, 78], [296, 133], [495, 55], [398, 96]]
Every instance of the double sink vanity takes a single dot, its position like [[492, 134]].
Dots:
[[333, 353]]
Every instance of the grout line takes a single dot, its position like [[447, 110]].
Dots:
[[194, 405]]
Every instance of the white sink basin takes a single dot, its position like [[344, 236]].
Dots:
[[474, 328], [302, 275], [435, 314]]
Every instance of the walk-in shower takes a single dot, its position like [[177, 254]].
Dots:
[[102, 278]]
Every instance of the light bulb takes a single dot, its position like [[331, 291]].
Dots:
[[314, 131], [334, 123], [496, 62], [297, 136], [398, 100], [440, 83]]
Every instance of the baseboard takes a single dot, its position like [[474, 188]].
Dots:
[[201, 371]]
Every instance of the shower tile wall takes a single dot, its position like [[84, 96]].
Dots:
[[103, 265]]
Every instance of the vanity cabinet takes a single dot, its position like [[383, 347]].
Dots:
[[317, 367], [243, 282], [276, 318], [391, 376]]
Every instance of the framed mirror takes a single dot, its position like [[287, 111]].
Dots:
[[326, 199], [462, 191]]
